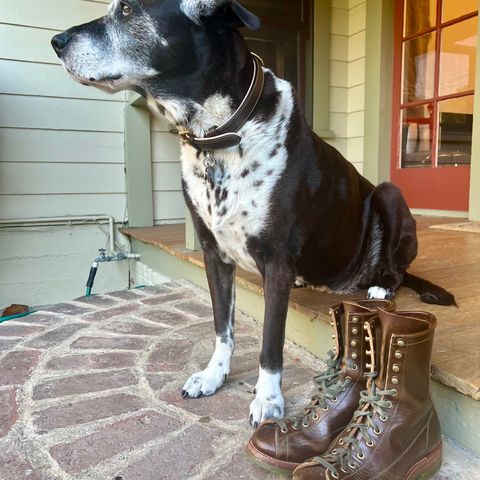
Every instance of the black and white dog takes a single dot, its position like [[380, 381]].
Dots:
[[274, 199]]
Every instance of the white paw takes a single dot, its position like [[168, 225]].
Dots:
[[208, 381], [379, 293], [269, 400], [205, 383]]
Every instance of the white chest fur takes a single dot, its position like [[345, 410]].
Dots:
[[235, 206]]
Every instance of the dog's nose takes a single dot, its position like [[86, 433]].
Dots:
[[60, 41]]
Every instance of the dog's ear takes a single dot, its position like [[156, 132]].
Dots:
[[232, 13], [236, 15]]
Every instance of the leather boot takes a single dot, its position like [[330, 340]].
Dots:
[[282, 445], [395, 433]]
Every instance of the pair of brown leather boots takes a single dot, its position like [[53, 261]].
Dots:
[[372, 417]]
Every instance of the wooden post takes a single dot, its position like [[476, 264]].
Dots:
[[138, 163]]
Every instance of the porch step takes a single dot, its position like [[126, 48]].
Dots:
[[456, 363]]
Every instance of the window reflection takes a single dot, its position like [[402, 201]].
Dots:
[[457, 58], [419, 15], [417, 136], [419, 68], [456, 8], [455, 131]]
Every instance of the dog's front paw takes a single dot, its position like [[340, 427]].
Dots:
[[204, 384], [269, 400], [263, 409]]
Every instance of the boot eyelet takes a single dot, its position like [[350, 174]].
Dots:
[[370, 444], [294, 427], [355, 319], [353, 343], [383, 418], [352, 465], [389, 404], [334, 451], [304, 425], [343, 470], [354, 331], [354, 366], [284, 430], [325, 409], [315, 417], [361, 456], [340, 442], [400, 342], [348, 378], [354, 356], [398, 355], [335, 475], [394, 392], [334, 400], [377, 431]]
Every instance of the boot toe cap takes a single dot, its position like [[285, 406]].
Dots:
[[309, 471], [264, 440]]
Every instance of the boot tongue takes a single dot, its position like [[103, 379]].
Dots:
[[341, 326], [351, 309]]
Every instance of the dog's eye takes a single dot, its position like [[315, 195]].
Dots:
[[126, 9]]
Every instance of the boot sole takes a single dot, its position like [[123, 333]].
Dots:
[[428, 466], [278, 467]]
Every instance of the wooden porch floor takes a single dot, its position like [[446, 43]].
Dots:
[[449, 258]]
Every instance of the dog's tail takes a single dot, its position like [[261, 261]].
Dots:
[[428, 291]]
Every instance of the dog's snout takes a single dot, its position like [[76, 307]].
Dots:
[[60, 41]]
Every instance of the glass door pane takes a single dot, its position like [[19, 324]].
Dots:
[[417, 136], [456, 8], [419, 68], [458, 57], [420, 15], [455, 131]]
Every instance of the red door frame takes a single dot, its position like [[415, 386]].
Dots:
[[433, 188]]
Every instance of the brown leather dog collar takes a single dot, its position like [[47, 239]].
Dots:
[[226, 136]]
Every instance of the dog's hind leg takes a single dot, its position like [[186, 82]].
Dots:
[[269, 402], [380, 293], [221, 278], [396, 248]]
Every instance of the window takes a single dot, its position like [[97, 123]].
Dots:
[[284, 42], [435, 82]]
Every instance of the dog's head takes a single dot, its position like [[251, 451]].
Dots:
[[138, 40]]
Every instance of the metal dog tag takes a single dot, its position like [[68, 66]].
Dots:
[[210, 168]]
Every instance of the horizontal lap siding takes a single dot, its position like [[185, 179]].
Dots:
[[347, 78], [169, 205], [61, 144]]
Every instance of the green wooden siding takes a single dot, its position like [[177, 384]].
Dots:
[[169, 205], [61, 144]]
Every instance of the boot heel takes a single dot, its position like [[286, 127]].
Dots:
[[434, 469], [428, 467]]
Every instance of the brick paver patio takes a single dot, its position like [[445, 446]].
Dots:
[[90, 390]]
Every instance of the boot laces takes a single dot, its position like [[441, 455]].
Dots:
[[372, 406], [350, 454], [329, 384]]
